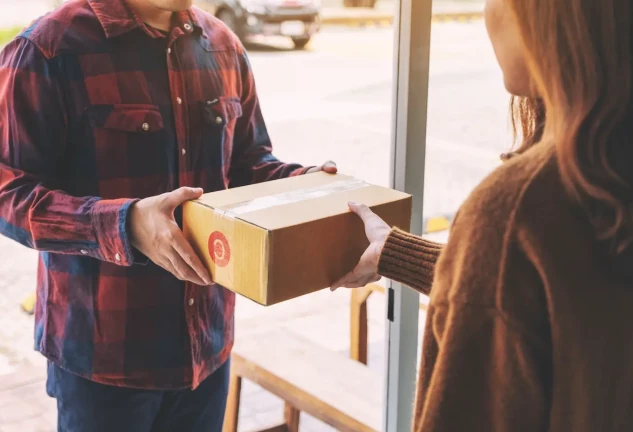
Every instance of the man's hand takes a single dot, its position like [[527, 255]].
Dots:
[[328, 167], [154, 232]]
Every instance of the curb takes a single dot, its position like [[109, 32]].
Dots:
[[372, 20], [458, 16], [438, 223], [28, 304]]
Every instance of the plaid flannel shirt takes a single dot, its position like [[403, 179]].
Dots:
[[98, 109]]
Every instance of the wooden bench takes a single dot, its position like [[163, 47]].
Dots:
[[309, 378], [358, 320]]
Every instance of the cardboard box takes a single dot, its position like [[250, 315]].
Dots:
[[279, 240]]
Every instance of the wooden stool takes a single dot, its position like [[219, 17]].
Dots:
[[358, 320], [334, 389]]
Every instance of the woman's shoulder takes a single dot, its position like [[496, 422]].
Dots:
[[507, 194], [501, 196], [483, 241]]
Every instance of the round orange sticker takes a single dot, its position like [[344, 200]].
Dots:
[[219, 249]]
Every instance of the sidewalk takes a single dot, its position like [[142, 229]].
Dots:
[[384, 12], [333, 12], [24, 405]]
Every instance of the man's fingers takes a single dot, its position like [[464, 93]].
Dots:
[[183, 270], [187, 253], [168, 265], [330, 167], [180, 195], [174, 264]]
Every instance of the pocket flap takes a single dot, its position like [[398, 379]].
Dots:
[[221, 111], [128, 117]]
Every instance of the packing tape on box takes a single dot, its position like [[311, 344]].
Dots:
[[237, 209]]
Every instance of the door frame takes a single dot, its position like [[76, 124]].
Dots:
[[408, 154]]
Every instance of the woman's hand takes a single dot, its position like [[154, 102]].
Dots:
[[366, 271]]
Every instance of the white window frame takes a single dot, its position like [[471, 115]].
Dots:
[[409, 119]]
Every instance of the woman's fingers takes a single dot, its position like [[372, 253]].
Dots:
[[346, 280], [340, 283], [366, 270], [376, 229], [363, 211], [359, 277], [350, 281]]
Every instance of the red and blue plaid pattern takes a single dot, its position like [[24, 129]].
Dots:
[[98, 109]]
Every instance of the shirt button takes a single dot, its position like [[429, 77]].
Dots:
[[84, 252], [117, 257], [145, 126], [178, 100], [218, 120], [168, 50], [183, 151], [187, 27], [191, 302]]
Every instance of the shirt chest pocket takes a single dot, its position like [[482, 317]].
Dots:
[[219, 119], [129, 141], [126, 118]]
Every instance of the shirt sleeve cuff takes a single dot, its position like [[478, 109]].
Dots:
[[304, 170], [109, 219]]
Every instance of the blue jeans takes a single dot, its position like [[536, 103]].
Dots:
[[86, 406]]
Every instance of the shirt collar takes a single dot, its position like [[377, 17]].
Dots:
[[117, 18]]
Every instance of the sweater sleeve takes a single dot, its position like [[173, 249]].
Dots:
[[409, 259]]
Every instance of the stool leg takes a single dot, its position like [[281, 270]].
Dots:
[[358, 324], [232, 413], [291, 415]]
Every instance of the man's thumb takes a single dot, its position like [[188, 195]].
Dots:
[[183, 194]]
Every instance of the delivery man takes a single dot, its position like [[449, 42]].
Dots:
[[112, 114]]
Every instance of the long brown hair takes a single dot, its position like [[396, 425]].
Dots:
[[580, 57]]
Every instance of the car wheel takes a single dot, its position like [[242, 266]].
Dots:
[[301, 43], [228, 17]]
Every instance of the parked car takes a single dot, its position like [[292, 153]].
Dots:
[[297, 19], [359, 3]]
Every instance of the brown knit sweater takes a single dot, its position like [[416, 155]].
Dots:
[[529, 324]]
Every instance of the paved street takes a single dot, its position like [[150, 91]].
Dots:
[[335, 102], [331, 102]]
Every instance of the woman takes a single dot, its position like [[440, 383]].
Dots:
[[529, 324]]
